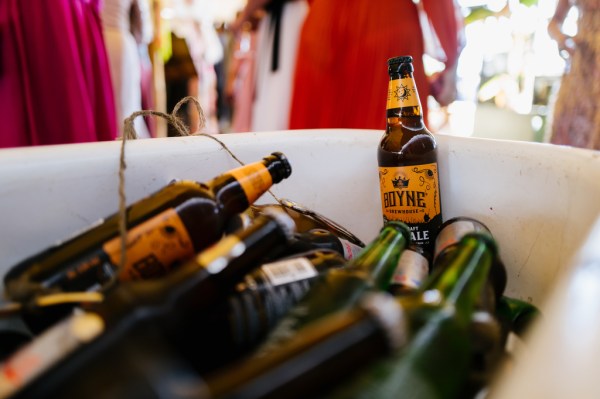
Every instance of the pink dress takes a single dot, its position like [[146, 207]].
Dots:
[[55, 83]]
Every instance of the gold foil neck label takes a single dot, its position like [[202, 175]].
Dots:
[[410, 194], [402, 93], [255, 179]]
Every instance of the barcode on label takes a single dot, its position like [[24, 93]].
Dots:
[[290, 270]]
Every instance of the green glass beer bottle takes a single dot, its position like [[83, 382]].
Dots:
[[436, 361], [341, 288]]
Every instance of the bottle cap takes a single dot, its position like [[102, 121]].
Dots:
[[403, 228], [284, 162], [405, 59]]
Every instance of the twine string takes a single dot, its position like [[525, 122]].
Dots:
[[129, 133]]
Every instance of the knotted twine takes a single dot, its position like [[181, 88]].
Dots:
[[129, 133]]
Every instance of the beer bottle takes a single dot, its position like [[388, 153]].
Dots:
[[307, 219], [258, 303], [436, 361], [448, 237], [322, 239], [429, 341], [183, 217], [341, 288], [327, 351], [516, 315], [411, 271], [407, 158], [173, 305]]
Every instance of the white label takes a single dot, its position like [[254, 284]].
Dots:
[[412, 269], [289, 270], [351, 251], [46, 350]]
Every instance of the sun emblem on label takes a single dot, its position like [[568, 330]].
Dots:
[[401, 92]]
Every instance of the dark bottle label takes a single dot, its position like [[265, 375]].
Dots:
[[411, 194]]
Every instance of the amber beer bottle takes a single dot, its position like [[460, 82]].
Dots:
[[407, 157], [178, 220]]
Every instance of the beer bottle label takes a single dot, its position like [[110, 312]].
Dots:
[[411, 271], [47, 349], [411, 194], [402, 93], [255, 179], [288, 271], [351, 251], [153, 247], [452, 233]]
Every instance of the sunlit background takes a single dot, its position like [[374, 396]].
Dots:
[[508, 71]]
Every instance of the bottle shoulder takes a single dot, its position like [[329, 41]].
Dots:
[[401, 145]]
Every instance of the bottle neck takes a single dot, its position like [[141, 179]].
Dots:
[[380, 258], [462, 280], [403, 103], [237, 189]]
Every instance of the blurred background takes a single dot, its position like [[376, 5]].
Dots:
[[507, 71]]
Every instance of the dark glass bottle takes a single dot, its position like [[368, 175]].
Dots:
[[179, 220], [173, 306], [407, 159], [307, 219], [328, 351], [258, 303], [322, 239], [342, 288]]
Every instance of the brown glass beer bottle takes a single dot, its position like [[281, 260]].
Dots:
[[173, 223], [407, 158]]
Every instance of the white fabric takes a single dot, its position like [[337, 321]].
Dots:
[[124, 58], [271, 107]]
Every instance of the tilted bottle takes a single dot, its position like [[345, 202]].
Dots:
[[173, 306], [341, 288], [328, 351], [435, 363], [322, 239], [259, 302], [428, 337], [410, 273], [307, 219], [407, 159], [448, 237], [179, 220], [516, 315]]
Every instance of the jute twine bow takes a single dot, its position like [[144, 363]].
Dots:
[[129, 133]]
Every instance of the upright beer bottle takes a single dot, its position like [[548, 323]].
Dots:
[[407, 157]]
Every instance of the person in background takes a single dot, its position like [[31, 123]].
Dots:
[[276, 49], [55, 85], [576, 121], [127, 26], [194, 22], [240, 80], [341, 74]]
